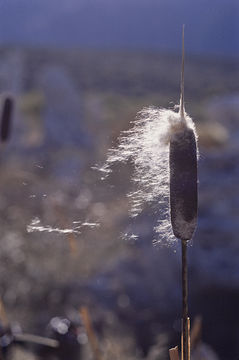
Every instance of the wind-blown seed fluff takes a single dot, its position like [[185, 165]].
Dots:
[[146, 146]]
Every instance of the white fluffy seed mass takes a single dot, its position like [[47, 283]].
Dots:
[[146, 146]]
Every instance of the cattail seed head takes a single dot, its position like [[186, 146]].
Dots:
[[183, 183], [6, 117], [161, 141]]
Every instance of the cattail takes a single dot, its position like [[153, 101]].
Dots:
[[6, 118], [183, 197], [145, 146]]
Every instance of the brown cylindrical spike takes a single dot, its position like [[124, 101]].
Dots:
[[183, 183]]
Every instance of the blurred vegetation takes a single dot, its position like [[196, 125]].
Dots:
[[46, 175]]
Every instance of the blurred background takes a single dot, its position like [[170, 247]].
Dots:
[[80, 70]]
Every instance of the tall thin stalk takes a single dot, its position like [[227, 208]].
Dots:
[[183, 198], [185, 349], [182, 80]]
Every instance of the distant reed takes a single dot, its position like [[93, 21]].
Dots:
[[6, 118]]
